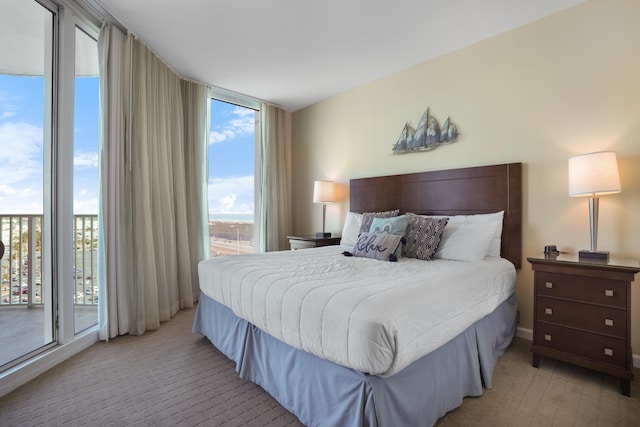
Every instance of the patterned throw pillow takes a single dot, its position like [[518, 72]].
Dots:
[[367, 218], [380, 246], [394, 225], [423, 236]]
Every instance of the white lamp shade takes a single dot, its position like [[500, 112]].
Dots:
[[323, 192], [594, 174]]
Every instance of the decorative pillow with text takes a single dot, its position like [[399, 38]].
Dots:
[[380, 246]]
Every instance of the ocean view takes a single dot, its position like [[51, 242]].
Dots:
[[232, 217]]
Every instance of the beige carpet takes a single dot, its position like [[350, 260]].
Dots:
[[172, 377]]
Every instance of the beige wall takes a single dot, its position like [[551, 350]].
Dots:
[[565, 85]]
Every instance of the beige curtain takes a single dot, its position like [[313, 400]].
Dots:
[[113, 251], [196, 107], [273, 176], [164, 132]]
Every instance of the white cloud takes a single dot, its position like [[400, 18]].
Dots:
[[85, 160], [85, 207], [22, 178], [220, 136], [21, 202], [7, 190], [227, 202], [21, 163], [231, 195], [241, 123], [20, 152], [7, 107], [20, 142]]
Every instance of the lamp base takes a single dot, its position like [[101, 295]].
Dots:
[[594, 256], [322, 235]]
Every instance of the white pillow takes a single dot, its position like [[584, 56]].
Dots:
[[494, 223], [351, 229], [466, 241]]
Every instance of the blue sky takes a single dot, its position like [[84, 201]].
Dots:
[[231, 150], [21, 153], [21, 145], [231, 159]]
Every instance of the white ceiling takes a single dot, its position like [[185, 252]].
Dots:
[[297, 52]]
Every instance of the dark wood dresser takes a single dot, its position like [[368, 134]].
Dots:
[[582, 313]]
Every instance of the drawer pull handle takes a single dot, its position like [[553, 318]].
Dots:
[[608, 292], [547, 337], [608, 322], [608, 351], [549, 285], [548, 311]]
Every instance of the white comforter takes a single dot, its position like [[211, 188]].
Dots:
[[373, 316]]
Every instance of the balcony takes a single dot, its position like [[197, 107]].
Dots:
[[25, 327]]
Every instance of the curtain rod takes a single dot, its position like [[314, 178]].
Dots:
[[212, 88], [96, 11]]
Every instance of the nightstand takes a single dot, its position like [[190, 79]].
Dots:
[[582, 313], [305, 242]]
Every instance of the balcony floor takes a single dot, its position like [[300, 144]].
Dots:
[[22, 329]]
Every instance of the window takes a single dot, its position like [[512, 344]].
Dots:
[[85, 182], [44, 109], [231, 179], [26, 117]]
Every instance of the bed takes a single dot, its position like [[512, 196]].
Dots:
[[304, 325]]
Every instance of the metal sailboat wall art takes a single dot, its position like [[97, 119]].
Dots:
[[405, 139], [427, 136]]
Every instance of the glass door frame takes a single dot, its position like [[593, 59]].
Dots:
[[57, 236], [63, 191]]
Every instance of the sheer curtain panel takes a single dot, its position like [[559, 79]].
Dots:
[[113, 255], [163, 130], [197, 122], [273, 170]]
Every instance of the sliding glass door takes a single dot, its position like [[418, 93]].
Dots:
[[49, 119], [85, 182], [27, 117]]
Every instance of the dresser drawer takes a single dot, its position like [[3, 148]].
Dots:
[[594, 347], [604, 320], [306, 242], [301, 244], [582, 313], [582, 288]]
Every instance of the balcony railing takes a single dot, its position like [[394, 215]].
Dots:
[[21, 265]]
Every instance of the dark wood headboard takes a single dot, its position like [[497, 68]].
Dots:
[[465, 191]]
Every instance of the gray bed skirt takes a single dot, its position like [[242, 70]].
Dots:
[[322, 393]]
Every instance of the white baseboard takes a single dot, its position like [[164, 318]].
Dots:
[[30, 369], [527, 334]]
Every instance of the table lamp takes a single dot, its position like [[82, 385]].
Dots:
[[593, 175], [323, 193]]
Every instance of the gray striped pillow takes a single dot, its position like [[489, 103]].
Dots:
[[423, 236], [367, 218]]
